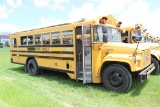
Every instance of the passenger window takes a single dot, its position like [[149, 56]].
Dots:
[[14, 42], [24, 40], [30, 40], [67, 37], [56, 38], [46, 38], [98, 35], [37, 39]]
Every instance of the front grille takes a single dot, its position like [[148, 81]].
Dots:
[[146, 58]]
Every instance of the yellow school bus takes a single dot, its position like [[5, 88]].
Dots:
[[151, 39], [147, 40], [78, 49]]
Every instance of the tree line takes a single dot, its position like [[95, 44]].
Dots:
[[6, 44]]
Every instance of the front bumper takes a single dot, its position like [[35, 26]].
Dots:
[[143, 75]]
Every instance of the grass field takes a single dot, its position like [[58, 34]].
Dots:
[[53, 89]]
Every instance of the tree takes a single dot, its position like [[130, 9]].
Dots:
[[1, 45], [6, 44]]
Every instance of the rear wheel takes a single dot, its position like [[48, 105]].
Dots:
[[156, 70], [117, 78], [32, 67]]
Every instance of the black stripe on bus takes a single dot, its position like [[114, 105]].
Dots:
[[55, 69], [50, 57], [57, 52], [14, 54], [13, 51], [64, 45], [60, 45], [23, 46], [60, 70]]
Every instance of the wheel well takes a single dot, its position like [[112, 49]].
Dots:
[[106, 64], [29, 59], [154, 57]]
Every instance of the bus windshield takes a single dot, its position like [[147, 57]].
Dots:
[[113, 34]]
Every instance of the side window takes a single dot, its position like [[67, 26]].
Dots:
[[14, 42], [98, 34], [87, 34], [125, 37], [46, 38], [37, 39], [56, 38], [30, 40], [24, 40], [67, 37]]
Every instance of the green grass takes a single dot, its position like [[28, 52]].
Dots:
[[53, 89]]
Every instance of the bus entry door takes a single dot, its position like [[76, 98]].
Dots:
[[83, 49]]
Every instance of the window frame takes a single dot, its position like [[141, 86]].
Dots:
[[72, 32], [23, 39], [58, 37], [40, 41], [44, 34], [15, 42]]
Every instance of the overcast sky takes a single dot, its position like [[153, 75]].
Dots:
[[22, 14]]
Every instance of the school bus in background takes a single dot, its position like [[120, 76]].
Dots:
[[78, 50], [147, 40], [156, 40], [151, 39]]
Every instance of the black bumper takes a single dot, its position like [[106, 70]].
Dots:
[[143, 75]]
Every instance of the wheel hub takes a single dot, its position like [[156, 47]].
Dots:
[[31, 67], [115, 79]]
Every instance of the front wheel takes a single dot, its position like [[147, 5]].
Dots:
[[32, 67], [155, 71], [117, 78]]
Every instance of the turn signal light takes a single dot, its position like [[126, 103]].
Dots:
[[99, 47]]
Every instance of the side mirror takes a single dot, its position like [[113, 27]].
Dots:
[[136, 38]]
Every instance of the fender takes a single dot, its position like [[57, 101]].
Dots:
[[155, 54], [127, 60]]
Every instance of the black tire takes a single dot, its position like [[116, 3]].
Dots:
[[32, 67], [156, 70], [117, 78]]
